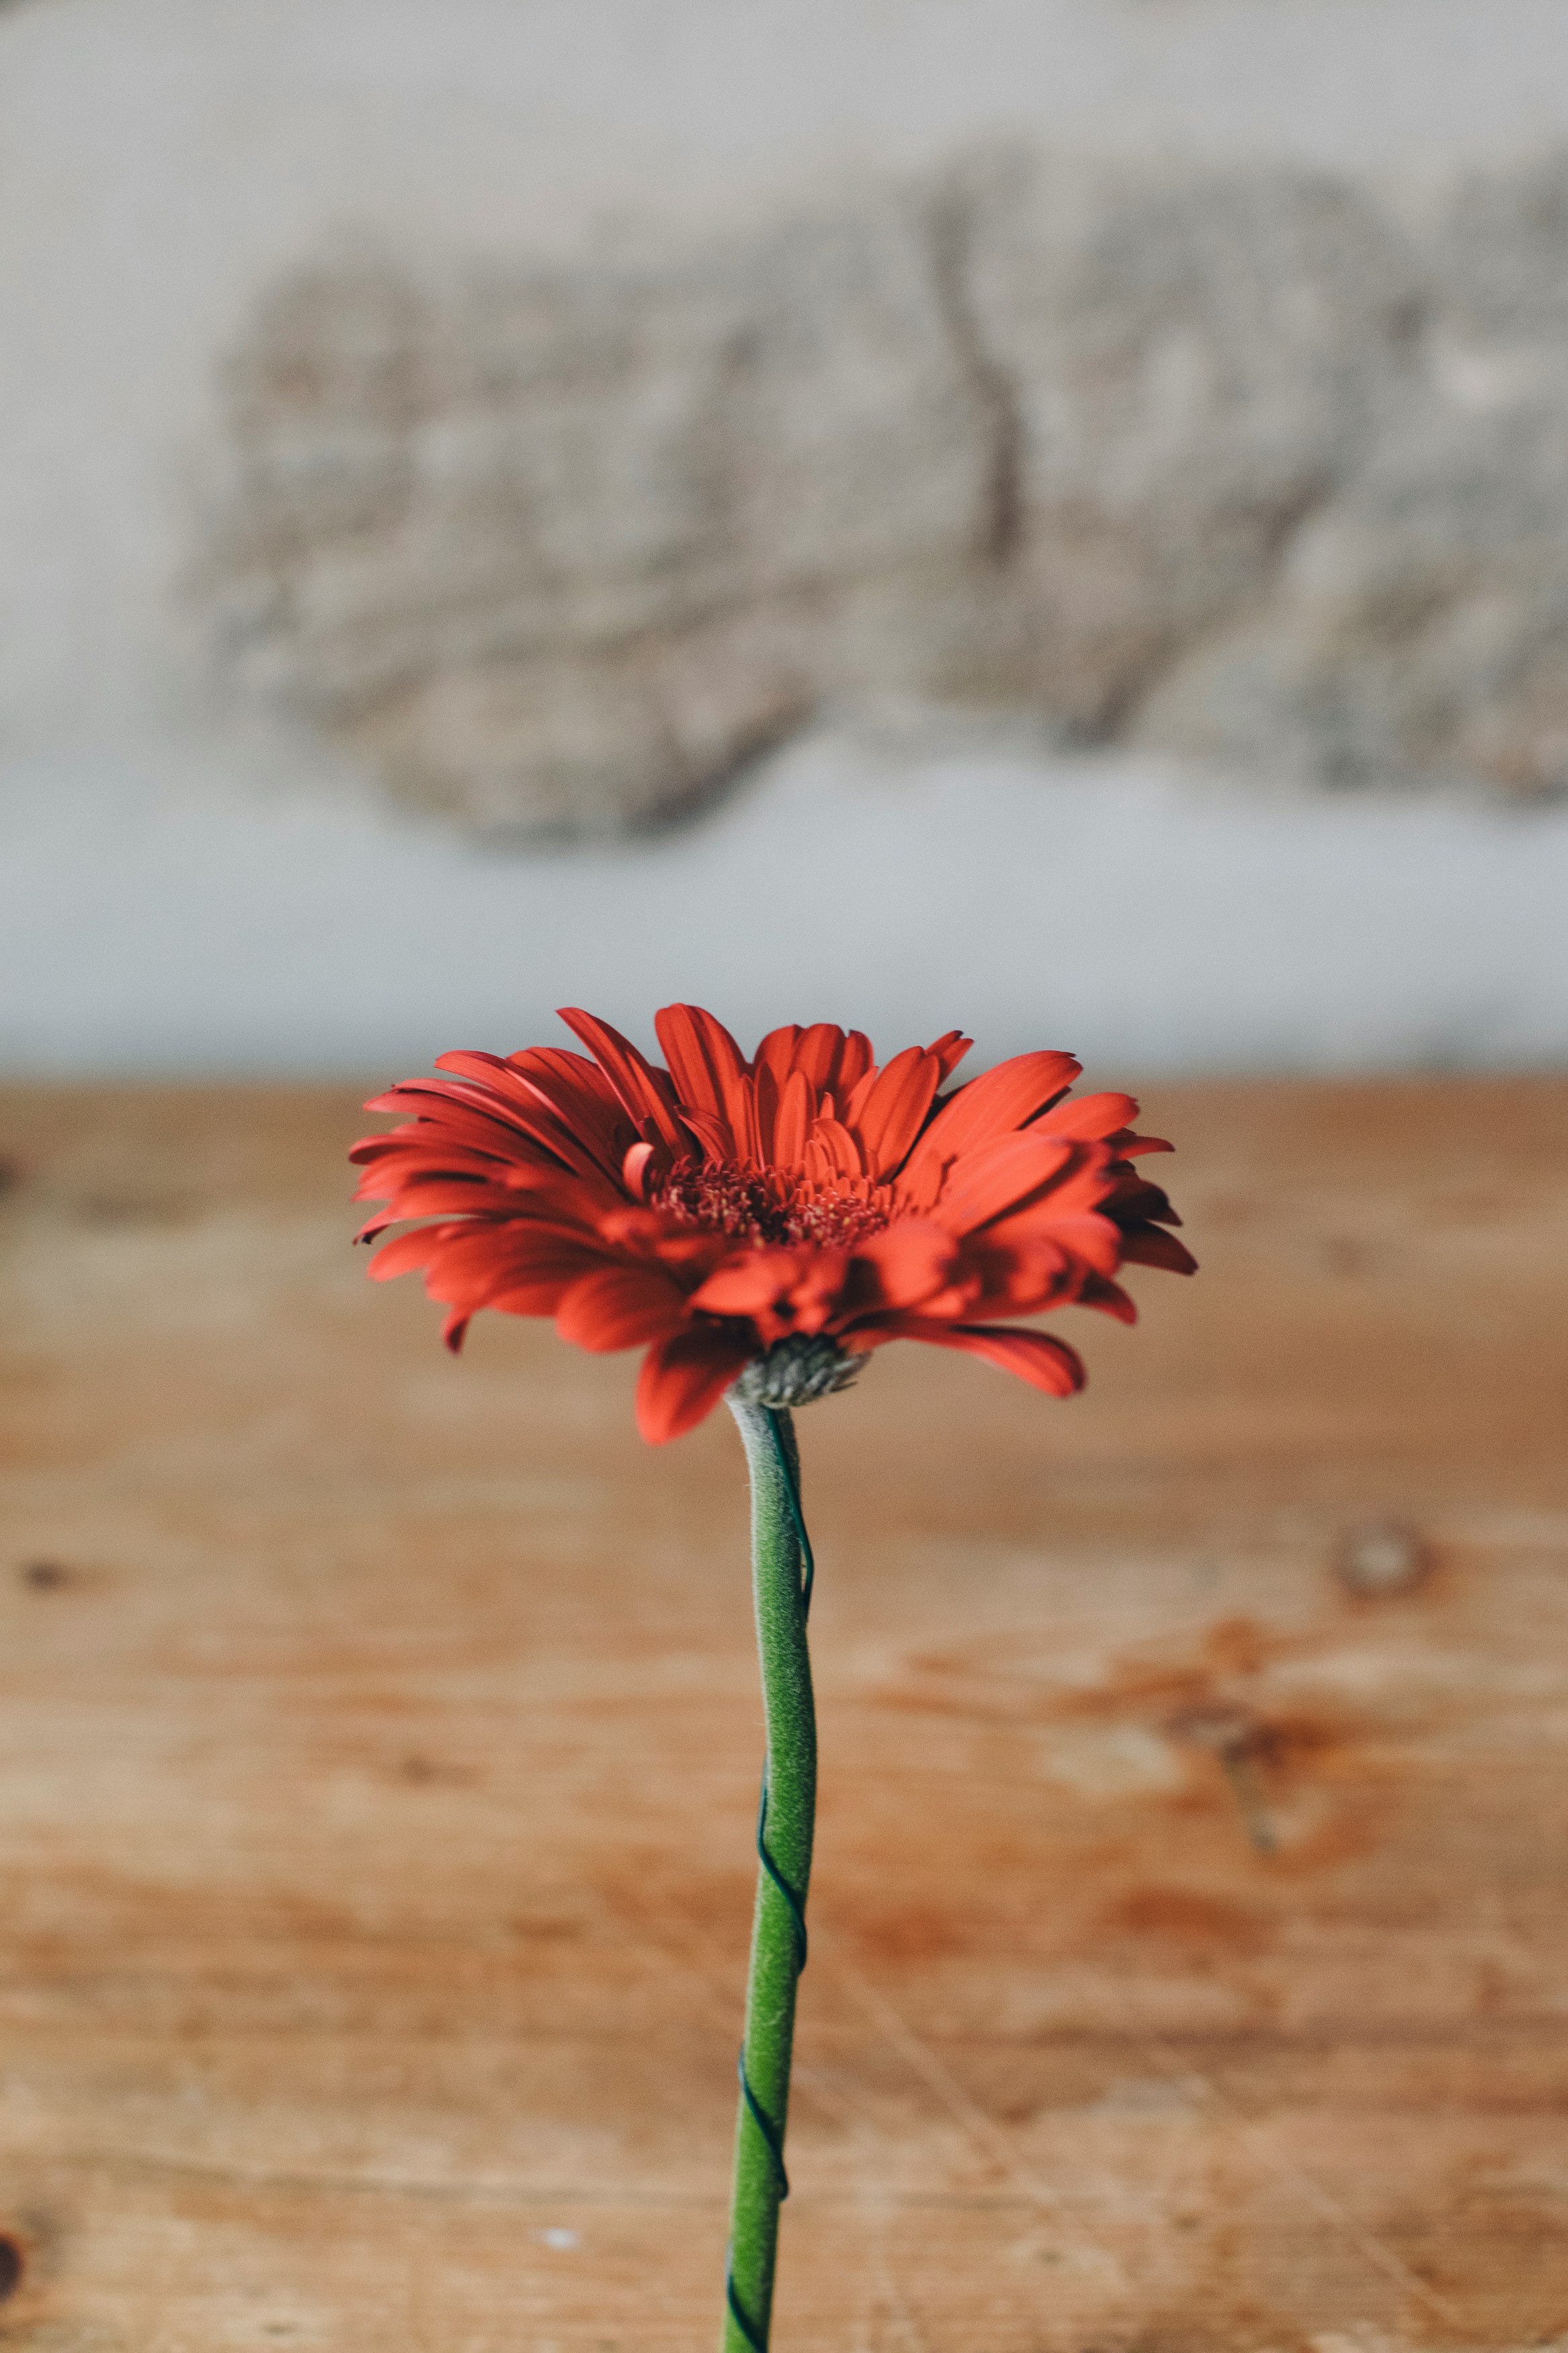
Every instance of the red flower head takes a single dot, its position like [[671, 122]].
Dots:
[[767, 1223]]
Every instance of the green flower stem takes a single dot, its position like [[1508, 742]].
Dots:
[[779, 1562]]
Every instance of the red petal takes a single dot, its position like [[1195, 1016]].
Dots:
[[620, 1307], [834, 1062], [778, 1051], [710, 1132], [503, 1127], [998, 1102], [1109, 1297], [818, 1164], [762, 1095], [1137, 1202], [1151, 1246], [1095, 1116], [793, 1120], [470, 1063], [1093, 1241], [816, 1055], [856, 1057], [950, 1050], [569, 1082], [839, 1151], [634, 1168], [749, 1284], [997, 1176], [520, 1268], [683, 1379], [889, 1118], [1024, 1278], [579, 1093], [646, 1094], [540, 1295], [779, 1289], [910, 1263], [1038, 1357], [433, 1197], [710, 1072], [409, 1251], [817, 1295]]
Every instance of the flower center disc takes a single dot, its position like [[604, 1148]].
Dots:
[[773, 1205]]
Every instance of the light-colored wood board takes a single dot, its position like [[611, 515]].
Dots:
[[379, 1743]]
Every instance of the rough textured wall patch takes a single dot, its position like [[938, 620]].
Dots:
[[1227, 462]]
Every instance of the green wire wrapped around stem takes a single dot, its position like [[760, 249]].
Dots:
[[781, 1575]]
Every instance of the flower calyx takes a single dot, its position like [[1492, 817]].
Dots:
[[798, 1370]]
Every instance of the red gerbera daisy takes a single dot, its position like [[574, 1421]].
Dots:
[[766, 1222]]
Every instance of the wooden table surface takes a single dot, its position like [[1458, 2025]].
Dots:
[[379, 1743]]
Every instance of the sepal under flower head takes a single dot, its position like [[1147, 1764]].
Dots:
[[798, 1371]]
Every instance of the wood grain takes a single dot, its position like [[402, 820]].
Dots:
[[379, 1743]]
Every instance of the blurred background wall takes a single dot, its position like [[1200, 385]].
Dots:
[[1044, 514]]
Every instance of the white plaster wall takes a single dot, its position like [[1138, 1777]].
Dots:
[[160, 160]]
